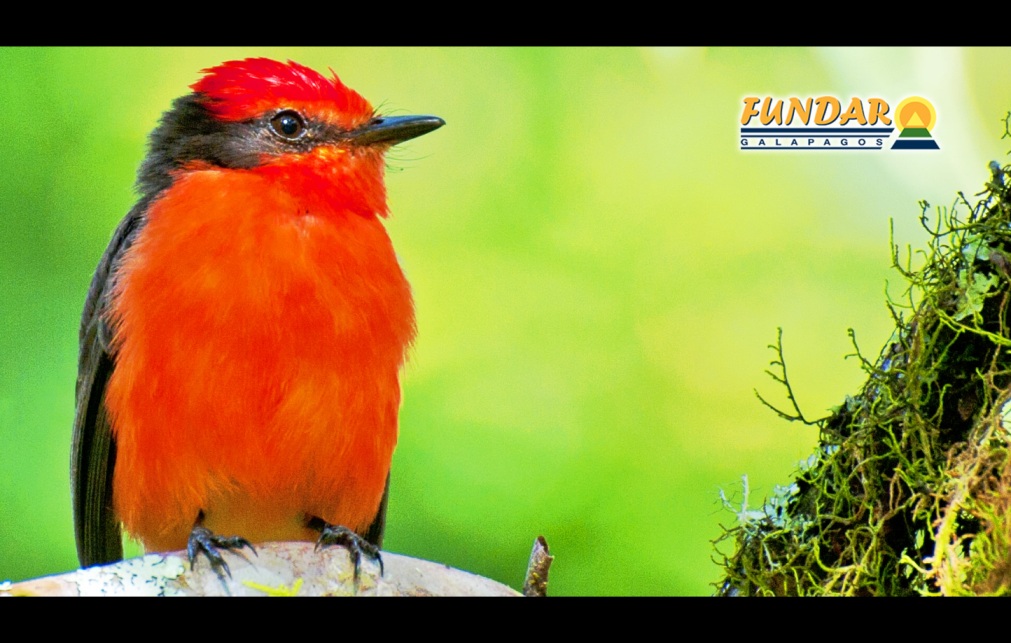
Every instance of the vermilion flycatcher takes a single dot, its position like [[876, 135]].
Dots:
[[244, 333]]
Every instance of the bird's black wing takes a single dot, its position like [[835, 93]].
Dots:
[[375, 533], [93, 451]]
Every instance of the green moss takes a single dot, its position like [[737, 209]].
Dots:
[[909, 491]]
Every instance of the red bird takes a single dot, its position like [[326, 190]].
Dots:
[[244, 333]]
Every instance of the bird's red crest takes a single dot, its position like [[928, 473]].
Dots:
[[242, 89]]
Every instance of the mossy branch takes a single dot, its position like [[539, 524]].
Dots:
[[909, 490]]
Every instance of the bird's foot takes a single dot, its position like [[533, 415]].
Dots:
[[330, 535], [203, 541]]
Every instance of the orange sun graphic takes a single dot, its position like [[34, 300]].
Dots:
[[915, 112]]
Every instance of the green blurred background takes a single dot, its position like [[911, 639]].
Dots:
[[598, 272]]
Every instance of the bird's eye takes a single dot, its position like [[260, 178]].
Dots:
[[288, 124]]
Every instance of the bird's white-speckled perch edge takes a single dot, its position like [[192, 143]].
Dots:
[[277, 569]]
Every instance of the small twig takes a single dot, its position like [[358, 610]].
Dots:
[[867, 366], [785, 381], [536, 583]]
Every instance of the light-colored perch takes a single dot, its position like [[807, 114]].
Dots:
[[278, 569]]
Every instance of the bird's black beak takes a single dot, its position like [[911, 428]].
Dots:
[[394, 129]]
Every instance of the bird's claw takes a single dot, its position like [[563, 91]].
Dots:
[[203, 541], [330, 535]]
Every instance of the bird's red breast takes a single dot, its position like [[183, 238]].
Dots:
[[260, 321]]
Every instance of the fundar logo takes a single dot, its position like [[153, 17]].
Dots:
[[828, 123]]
